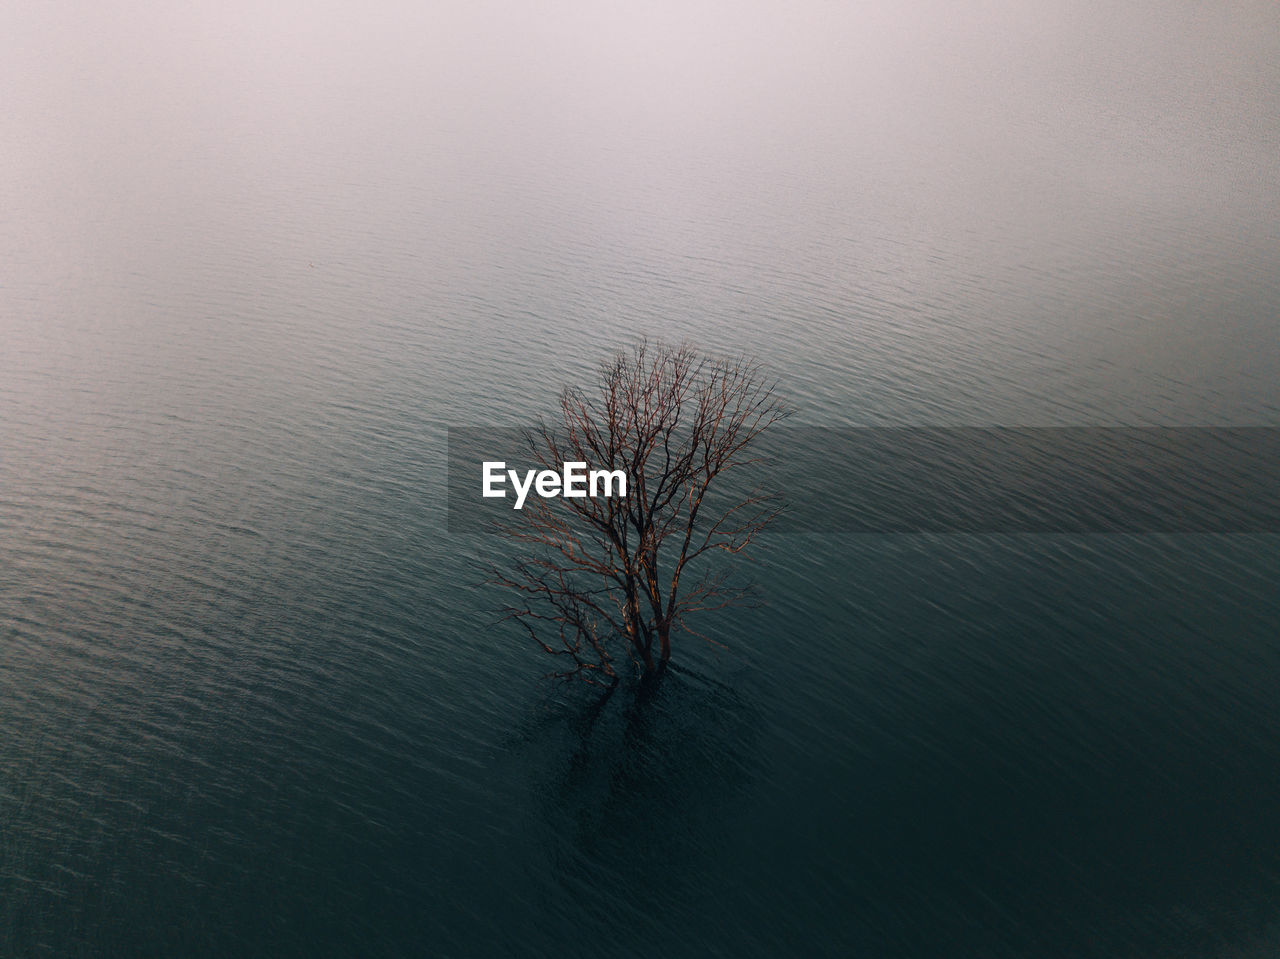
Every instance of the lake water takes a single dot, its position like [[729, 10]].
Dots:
[[254, 266]]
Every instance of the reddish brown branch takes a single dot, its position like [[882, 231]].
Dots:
[[589, 571]]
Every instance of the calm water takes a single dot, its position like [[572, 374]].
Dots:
[[251, 270]]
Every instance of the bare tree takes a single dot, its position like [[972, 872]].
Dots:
[[597, 576]]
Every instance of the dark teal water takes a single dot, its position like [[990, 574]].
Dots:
[[251, 700]]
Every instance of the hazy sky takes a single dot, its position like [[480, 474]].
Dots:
[[100, 73], [116, 114]]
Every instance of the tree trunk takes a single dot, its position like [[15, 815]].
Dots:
[[647, 657], [641, 641]]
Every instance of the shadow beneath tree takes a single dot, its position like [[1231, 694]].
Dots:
[[645, 783]]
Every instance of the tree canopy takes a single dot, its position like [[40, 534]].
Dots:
[[594, 580]]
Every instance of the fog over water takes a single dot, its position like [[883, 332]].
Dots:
[[254, 263]]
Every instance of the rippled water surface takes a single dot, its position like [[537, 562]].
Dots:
[[253, 267]]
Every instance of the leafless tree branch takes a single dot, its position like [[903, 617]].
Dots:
[[597, 573]]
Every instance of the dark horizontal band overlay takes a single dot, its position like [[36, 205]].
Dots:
[[963, 479]]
